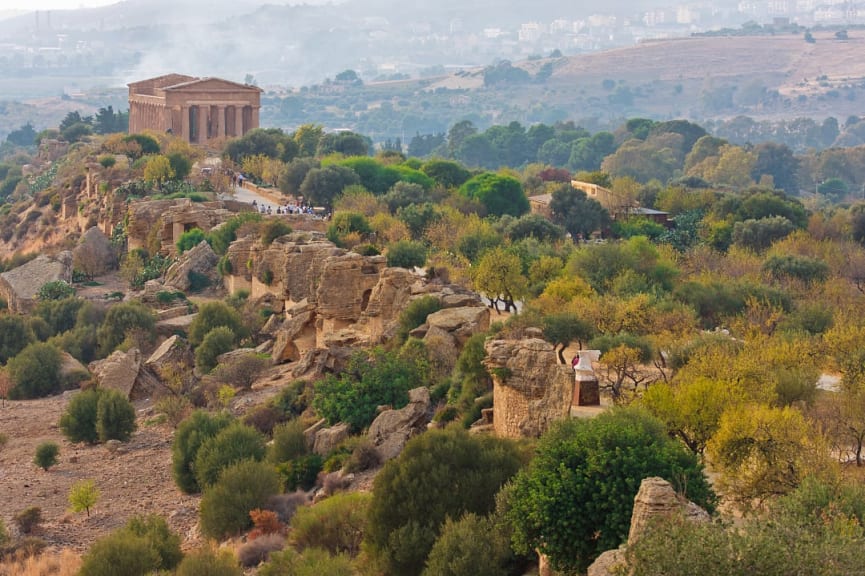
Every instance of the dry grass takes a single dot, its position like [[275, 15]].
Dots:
[[63, 563]]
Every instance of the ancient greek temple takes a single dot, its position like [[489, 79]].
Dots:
[[197, 109]]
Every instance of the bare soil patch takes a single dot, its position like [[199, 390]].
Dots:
[[136, 479]]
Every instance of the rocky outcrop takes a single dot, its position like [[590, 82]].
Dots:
[[126, 372], [200, 260], [327, 439], [94, 254], [655, 499], [174, 351], [20, 285], [461, 323], [71, 370], [391, 429], [321, 361], [530, 388]]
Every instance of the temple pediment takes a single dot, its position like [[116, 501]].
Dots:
[[162, 81], [210, 85]]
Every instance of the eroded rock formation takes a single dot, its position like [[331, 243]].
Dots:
[[200, 260], [530, 388], [333, 300], [20, 285], [655, 499], [391, 429]]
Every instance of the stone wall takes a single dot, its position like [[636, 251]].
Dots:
[[530, 388]]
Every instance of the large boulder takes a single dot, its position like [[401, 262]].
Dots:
[[296, 336], [462, 322], [391, 429], [327, 439], [20, 285], [94, 254], [173, 353], [320, 361], [125, 372], [530, 388], [657, 499], [200, 260]]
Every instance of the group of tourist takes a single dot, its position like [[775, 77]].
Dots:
[[289, 209]]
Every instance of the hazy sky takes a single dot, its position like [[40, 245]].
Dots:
[[51, 4]]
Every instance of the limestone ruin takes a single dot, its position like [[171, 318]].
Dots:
[[20, 285], [531, 389]]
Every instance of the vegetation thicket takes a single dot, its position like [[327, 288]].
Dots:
[[720, 280]]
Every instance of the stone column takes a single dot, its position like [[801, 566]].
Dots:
[[254, 123], [238, 121], [220, 122], [184, 123], [202, 124]]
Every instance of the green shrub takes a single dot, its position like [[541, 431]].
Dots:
[[407, 254], [371, 379], [46, 455], [28, 519], [98, 415], [107, 161], [266, 276], [213, 315], [189, 240], [190, 436], [120, 321], [209, 562], [599, 460], [217, 342], [197, 281], [231, 445], [313, 562], [121, 552], [293, 400], [35, 372], [155, 531], [78, 421], [221, 237], [241, 371], [335, 524], [300, 473], [270, 230], [242, 487], [289, 442], [60, 315], [415, 314], [15, 335], [264, 419], [166, 297], [462, 542], [115, 416], [55, 290], [364, 457], [414, 493], [224, 267], [4, 533]]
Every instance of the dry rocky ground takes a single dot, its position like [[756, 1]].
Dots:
[[135, 479]]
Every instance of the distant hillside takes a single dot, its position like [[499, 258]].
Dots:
[[786, 63], [700, 78]]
